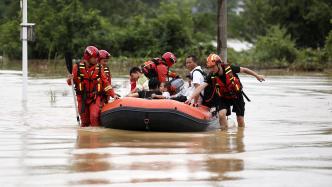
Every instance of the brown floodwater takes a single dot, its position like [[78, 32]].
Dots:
[[287, 140]]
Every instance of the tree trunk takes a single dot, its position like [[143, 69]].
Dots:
[[50, 50], [222, 29]]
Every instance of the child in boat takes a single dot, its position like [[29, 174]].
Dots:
[[154, 85], [164, 89], [172, 90]]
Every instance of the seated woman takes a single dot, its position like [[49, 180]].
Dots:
[[153, 89]]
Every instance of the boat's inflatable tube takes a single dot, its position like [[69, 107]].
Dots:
[[154, 115]]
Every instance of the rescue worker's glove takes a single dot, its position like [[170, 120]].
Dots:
[[173, 75], [116, 96]]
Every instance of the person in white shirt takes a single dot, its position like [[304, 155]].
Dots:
[[189, 89], [197, 75]]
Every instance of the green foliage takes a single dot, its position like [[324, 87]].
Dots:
[[121, 12], [275, 46], [65, 26], [173, 28], [328, 45], [254, 19], [10, 43], [310, 59], [8, 9], [170, 30], [306, 21], [143, 29]]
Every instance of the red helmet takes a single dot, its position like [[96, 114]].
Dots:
[[169, 58], [212, 60], [89, 52], [103, 54]]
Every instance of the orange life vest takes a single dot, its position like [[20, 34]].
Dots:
[[229, 89], [107, 73], [150, 68], [157, 68], [89, 83]]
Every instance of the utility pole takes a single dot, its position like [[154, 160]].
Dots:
[[25, 48], [25, 26], [222, 29]]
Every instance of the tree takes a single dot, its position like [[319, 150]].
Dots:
[[65, 26], [307, 21], [328, 46], [222, 29], [254, 19], [10, 43], [277, 45]]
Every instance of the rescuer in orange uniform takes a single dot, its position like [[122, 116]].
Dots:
[[90, 82], [159, 67], [104, 56]]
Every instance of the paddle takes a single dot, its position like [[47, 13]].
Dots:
[[69, 65]]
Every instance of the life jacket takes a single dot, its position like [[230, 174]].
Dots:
[[150, 68], [107, 73], [89, 84], [230, 89]]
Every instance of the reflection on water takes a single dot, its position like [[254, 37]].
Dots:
[[287, 141], [148, 157]]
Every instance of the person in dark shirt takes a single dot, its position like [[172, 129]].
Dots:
[[227, 89], [154, 85]]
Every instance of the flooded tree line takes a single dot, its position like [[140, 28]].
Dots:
[[285, 34]]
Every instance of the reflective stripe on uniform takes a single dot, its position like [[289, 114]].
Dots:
[[107, 88]]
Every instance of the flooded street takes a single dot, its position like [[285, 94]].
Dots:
[[287, 140]]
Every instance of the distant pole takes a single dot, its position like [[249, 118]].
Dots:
[[25, 48], [222, 29]]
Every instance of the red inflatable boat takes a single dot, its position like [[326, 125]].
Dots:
[[155, 115]]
